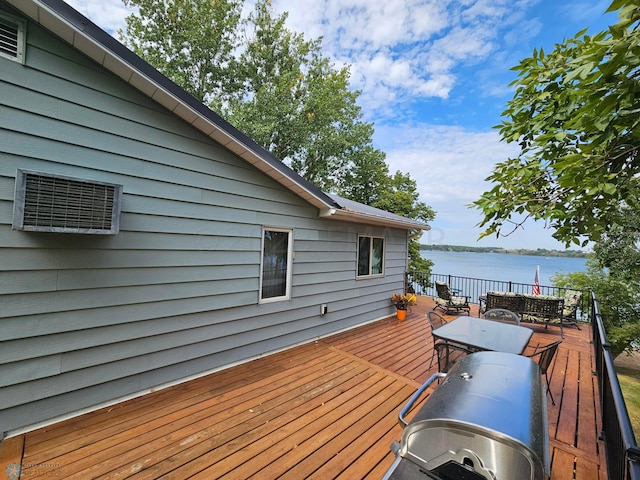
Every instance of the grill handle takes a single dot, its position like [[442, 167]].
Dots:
[[417, 395]]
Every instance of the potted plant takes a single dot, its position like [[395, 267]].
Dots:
[[402, 301]]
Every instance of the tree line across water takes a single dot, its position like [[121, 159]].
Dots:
[[539, 252]]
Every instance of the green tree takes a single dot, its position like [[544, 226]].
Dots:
[[366, 177], [575, 117], [618, 288], [190, 41], [400, 196], [618, 302], [617, 250], [294, 102]]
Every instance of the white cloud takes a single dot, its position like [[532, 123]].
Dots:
[[107, 14], [411, 46], [583, 11], [372, 25], [463, 44], [448, 162], [414, 47]]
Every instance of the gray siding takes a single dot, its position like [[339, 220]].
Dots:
[[89, 319]]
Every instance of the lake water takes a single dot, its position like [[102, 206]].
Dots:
[[502, 266]]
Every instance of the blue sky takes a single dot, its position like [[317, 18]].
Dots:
[[434, 76]]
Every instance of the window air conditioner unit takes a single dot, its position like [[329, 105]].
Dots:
[[55, 203]]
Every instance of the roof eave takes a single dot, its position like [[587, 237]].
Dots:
[[65, 22], [358, 217]]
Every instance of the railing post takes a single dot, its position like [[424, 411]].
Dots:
[[633, 453], [633, 463]]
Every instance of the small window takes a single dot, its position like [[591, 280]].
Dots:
[[370, 256], [12, 37], [275, 277], [54, 203]]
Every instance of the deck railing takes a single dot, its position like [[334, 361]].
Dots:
[[622, 451], [476, 287]]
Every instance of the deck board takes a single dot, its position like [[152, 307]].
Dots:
[[327, 409], [587, 434], [568, 403]]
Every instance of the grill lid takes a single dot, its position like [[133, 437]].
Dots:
[[497, 393], [487, 420]]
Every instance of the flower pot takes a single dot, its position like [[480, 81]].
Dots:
[[401, 314]]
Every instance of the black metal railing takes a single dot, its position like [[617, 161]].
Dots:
[[622, 452], [474, 288]]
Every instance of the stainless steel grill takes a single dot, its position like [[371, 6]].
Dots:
[[486, 421]]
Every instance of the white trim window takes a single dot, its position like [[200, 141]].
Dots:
[[370, 256], [275, 269]]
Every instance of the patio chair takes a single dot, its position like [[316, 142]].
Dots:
[[572, 299], [448, 302], [436, 321], [503, 315], [449, 354], [543, 355]]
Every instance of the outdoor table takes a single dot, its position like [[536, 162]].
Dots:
[[482, 334]]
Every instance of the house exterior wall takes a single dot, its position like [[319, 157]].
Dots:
[[88, 319]]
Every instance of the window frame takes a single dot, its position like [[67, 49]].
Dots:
[[372, 239], [289, 265]]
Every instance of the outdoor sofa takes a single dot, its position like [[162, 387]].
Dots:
[[538, 308]]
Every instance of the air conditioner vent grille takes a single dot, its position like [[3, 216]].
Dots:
[[12, 37], [9, 40], [61, 204]]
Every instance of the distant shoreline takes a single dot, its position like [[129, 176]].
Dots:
[[539, 252]]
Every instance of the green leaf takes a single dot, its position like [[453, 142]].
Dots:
[[616, 5], [609, 188]]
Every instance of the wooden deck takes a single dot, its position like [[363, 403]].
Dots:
[[323, 410]]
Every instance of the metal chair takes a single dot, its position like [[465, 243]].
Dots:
[[502, 314], [448, 302], [449, 354], [545, 354], [572, 300], [436, 321]]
